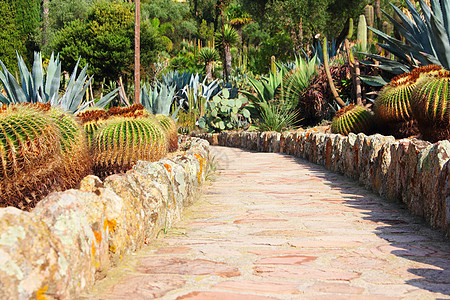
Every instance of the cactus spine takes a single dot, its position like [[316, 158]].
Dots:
[[393, 104], [74, 149], [431, 105], [29, 155], [122, 141], [353, 118], [170, 127]]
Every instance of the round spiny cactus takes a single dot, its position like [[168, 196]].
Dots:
[[30, 155], [431, 106], [91, 119], [122, 141], [353, 118], [393, 102], [170, 127], [74, 150]]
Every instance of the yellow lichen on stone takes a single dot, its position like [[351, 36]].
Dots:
[[98, 236], [168, 167], [112, 249], [201, 161], [40, 293], [111, 224]]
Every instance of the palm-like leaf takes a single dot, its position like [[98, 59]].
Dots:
[[230, 36], [208, 54]]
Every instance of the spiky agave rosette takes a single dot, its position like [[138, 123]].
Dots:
[[431, 106], [392, 106], [353, 118], [170, 127], [30, 159]]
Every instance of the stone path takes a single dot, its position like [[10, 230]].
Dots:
[[271, 226]]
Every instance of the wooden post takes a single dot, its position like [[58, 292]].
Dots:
[[137, 51]]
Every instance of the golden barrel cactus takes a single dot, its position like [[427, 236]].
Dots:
[[431, 106], [30, 156], [353, 118], [170, 127]]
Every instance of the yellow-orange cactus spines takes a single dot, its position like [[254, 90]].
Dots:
[[122, 141], [30, 155], [74, 149], [393, 103], [353, 118], [170, 127], [431, 106]]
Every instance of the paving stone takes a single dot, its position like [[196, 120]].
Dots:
[[158, 265], [221, 296], [143, 287], [305, 273], [173, 250], [252, 221], [274, 227], [334, 288], [259, 286], [285, 260]]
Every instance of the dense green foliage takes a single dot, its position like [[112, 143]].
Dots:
[[105, 41]]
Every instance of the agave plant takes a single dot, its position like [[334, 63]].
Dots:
[[427, 37], [35, 87], [267, 88], [297, 80], [276, 115], [158, 100]]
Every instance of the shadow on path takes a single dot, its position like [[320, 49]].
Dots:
[[409, 236]]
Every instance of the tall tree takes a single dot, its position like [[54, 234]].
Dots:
[[137, 51], [105, 40], [10, 39]]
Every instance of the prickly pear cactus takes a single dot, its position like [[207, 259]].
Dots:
[[170, 127], [353, 118], [122, 141], [30, 155], [431, 106]]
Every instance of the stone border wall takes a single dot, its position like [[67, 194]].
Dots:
[[71, 238], [412, 171]]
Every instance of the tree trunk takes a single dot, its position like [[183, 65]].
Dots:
[[137, 52], [227, 51], [225, 46], [46, 21], [208, 68]]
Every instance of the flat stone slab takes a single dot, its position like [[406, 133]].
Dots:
[[274, 227], [175, 265]]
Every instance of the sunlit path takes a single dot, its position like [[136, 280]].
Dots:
[[271, 226]]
